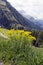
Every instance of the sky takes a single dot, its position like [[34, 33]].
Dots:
[[33, 8]]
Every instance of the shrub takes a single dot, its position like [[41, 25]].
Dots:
[[39, 40]]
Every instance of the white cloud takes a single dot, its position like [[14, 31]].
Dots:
[[31, 7]]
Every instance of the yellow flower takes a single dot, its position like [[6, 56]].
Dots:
[[21, 33], [27, 33]]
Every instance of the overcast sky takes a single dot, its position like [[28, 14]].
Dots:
[[31, 7]]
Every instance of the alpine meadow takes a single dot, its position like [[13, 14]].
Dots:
[[21, 34]]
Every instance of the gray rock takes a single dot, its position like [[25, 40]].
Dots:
[[1, 63]]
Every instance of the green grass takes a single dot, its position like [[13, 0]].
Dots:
[[17, 49]]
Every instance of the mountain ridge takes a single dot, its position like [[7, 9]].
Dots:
[[10, 15]]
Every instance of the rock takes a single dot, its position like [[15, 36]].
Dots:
[[1, 63]]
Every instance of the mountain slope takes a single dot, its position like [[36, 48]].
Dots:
[[38, 22], [9, 16]]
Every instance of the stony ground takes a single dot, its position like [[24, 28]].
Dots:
[[1, 63]]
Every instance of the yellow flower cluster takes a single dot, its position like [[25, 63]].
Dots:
[[21, 33], [31, 37], [10, 32], [18, 34]]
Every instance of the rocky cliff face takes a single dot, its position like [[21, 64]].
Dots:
[[6, 16]]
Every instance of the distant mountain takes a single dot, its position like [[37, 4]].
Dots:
[[39, 23], [36, 21], [10, 17]]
